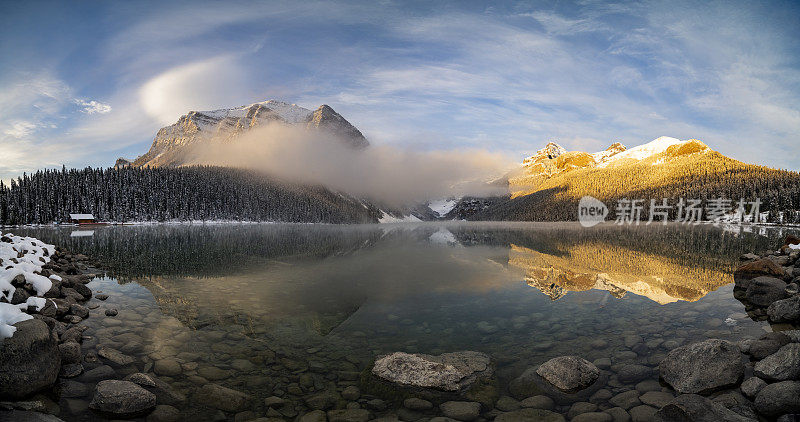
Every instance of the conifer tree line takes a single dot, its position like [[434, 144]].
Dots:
[[169, 194]]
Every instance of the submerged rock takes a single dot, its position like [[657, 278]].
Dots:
[[569, 373], [222, 398], [530, 415], [29, 360], [461, 410], [165, 394], [27, 416], [448, 372], [348, 415], [691, 407], [122, 398], [703, 367], [115, 356]]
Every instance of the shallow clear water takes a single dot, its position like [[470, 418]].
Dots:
[[292, 310]]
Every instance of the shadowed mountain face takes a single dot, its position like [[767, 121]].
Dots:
[[178, 144]]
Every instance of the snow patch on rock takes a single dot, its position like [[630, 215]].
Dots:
[[638, 153], [388, 218], [24, 256], [292, 113]]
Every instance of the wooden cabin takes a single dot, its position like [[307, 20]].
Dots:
[[82, 219]]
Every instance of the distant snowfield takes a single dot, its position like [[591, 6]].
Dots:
[[292, 113], [442, 206], [386, 218], [638, 153]]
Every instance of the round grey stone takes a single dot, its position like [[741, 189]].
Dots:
[[121, 398], [569, 373], [703, 367], [461, 410]]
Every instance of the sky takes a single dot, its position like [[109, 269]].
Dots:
[[85, 82]]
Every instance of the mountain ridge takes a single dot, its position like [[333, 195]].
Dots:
[[548, 186], [175, 144]]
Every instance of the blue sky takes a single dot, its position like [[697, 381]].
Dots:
[[84, 82]]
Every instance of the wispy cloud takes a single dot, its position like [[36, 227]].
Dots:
[[92, 106]]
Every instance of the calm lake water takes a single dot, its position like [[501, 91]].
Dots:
[[293, 310]]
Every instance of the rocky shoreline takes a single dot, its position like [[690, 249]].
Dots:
[[711, 380], [44, 350], [715, 379]]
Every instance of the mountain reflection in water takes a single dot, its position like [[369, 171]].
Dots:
[[265, 269], [265, 308]]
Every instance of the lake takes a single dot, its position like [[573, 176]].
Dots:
[[293, 310]]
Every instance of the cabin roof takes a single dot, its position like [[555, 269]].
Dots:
[[81, 216]]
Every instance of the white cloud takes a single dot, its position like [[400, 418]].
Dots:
[[559, 25], [92, 106], [214, 83], [20, 129]]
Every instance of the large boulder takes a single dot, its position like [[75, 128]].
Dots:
[[764, 290], [768, 344], [448, 372], [121, 399], [569, 373], [764, 266], [530, 384], [785, 310], [779, 398], [691, 407], [29, 360], [782, 365], [703, 367]]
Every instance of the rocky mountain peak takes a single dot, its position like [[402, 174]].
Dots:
[[122, 162], [326, 118], [171, 144], [550, 151]]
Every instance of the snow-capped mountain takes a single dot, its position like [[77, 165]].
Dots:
[[554, 160], [642, 152], [173, 143]]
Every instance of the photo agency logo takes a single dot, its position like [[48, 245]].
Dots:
[[591, 211]]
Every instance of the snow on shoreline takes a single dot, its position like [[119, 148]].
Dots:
[[20, 255]]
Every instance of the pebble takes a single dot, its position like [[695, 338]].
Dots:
[[642, 413], [538, 402], [461, 410], [414, 403]]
